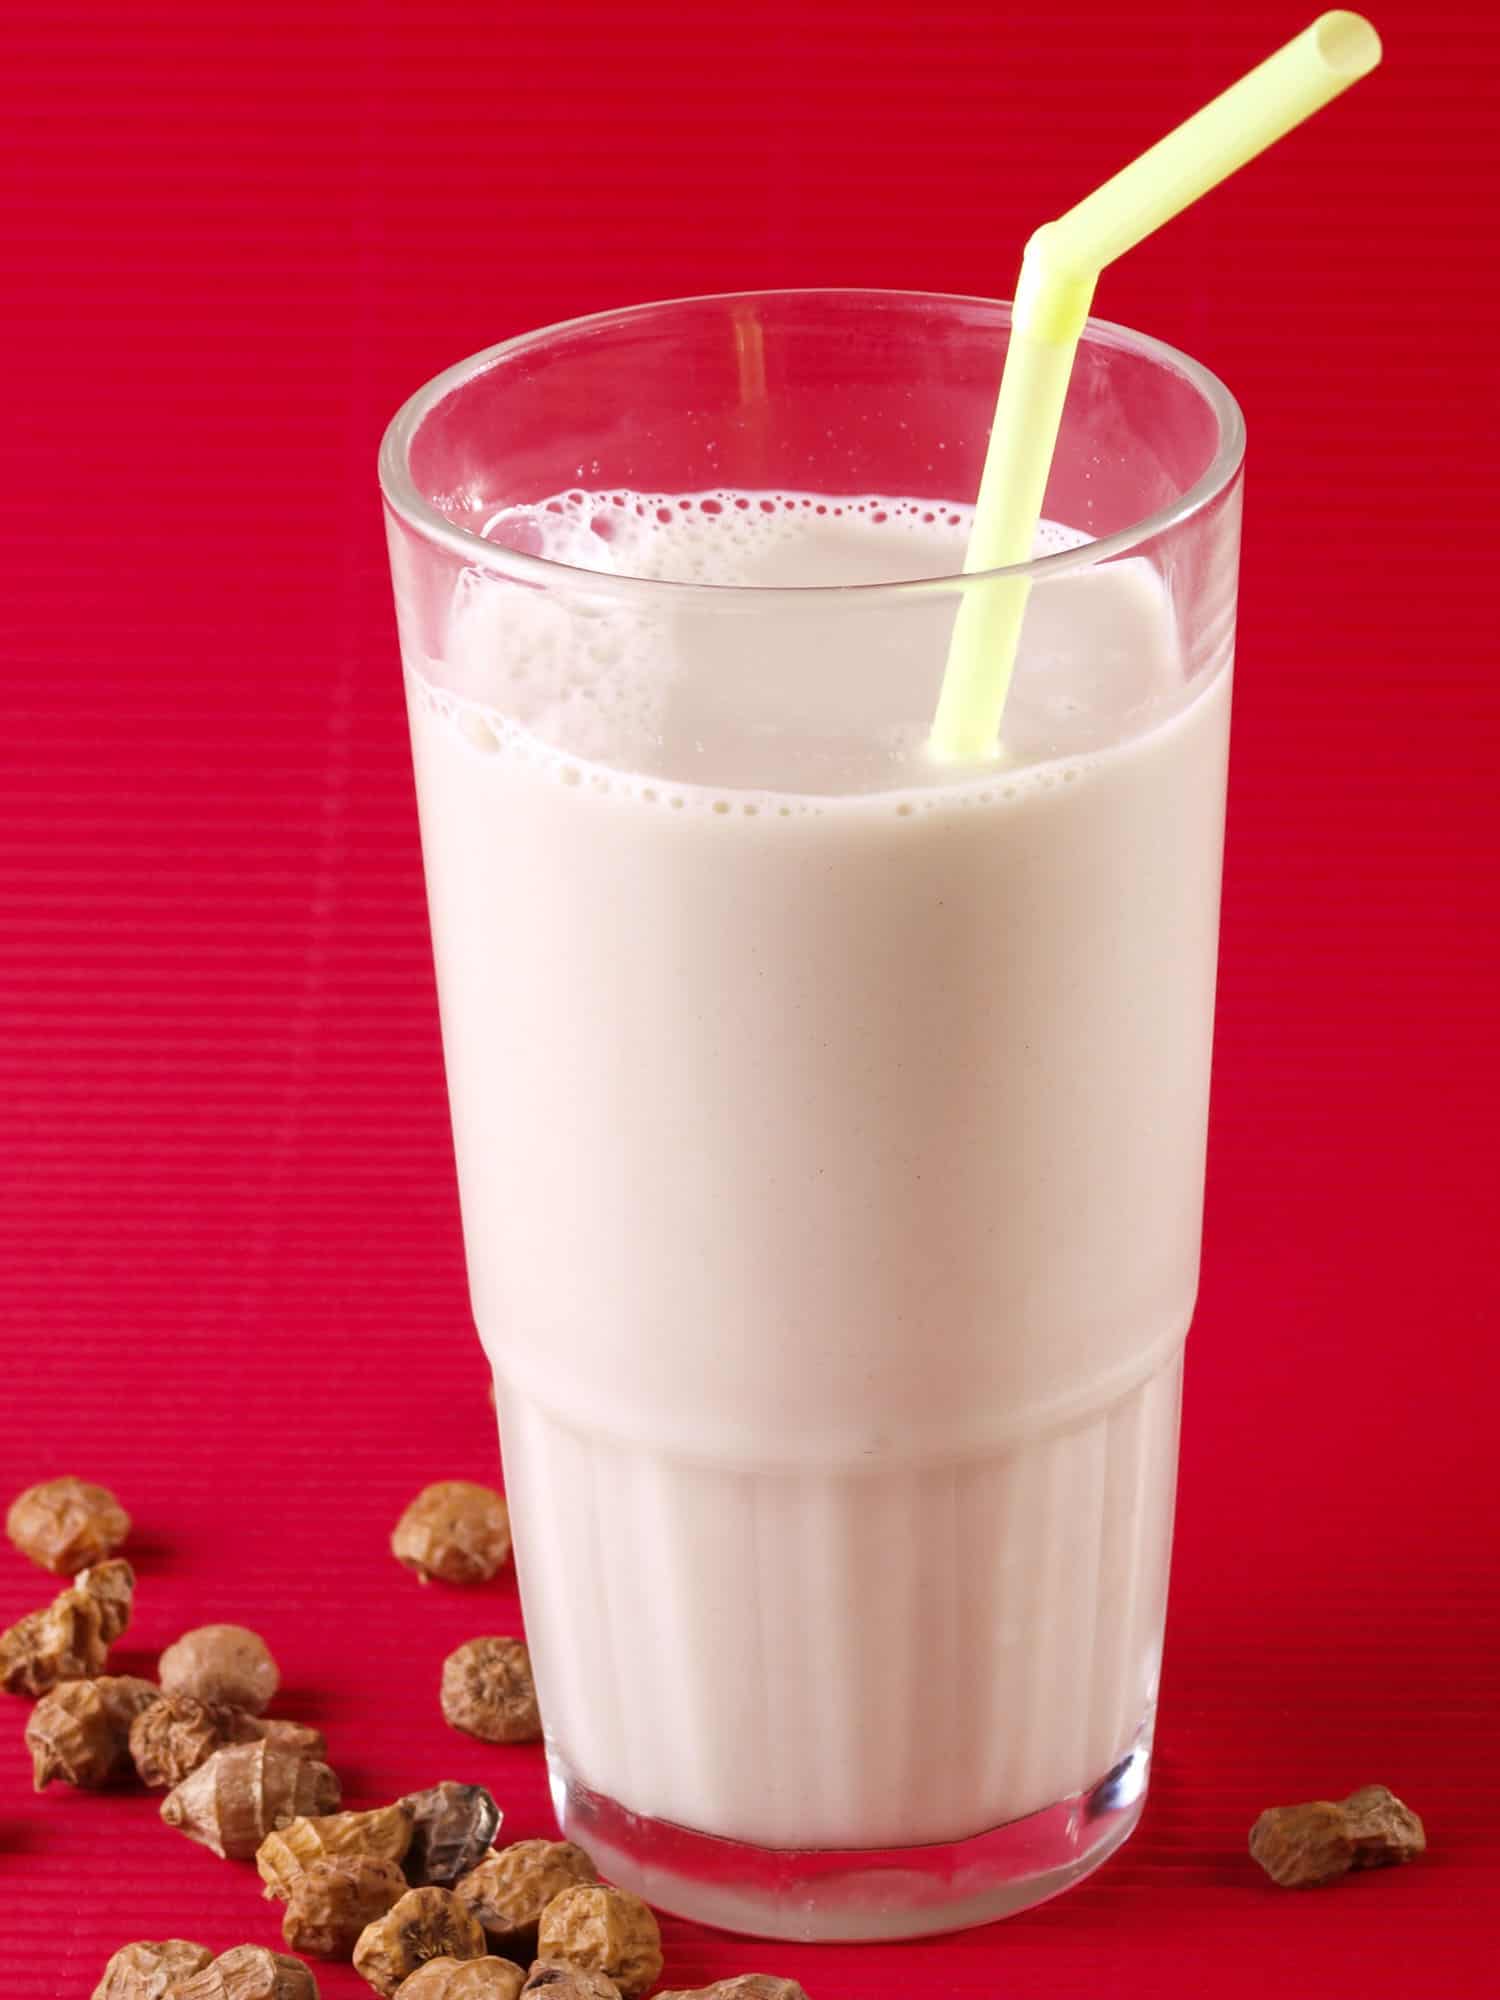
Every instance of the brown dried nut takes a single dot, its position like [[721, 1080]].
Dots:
[[223, 1665], [250, 1972], [747, 1986], [1299, 1846], [1303, 1846], [151, 1971], [332, 1901], [488, 1691], [603, 1930], [508, 1891], [66, 1524], [426, 1923], [1385, 1832], [244, 1792], [452, 1827], [464, 1979], [169, 1740], [112, 1587], [382, 1835], [455, 1530], [80, 1732], [62, 1642], [69, 1639], [568, 1982]]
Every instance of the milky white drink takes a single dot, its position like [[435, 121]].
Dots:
[[831, 1138]]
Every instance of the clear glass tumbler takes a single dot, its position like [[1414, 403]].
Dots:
[[829, 1122]]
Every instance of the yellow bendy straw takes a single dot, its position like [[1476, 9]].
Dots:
[[1056, 286]]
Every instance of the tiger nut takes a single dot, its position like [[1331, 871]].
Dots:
[[508, 1891], [249, 1972], [603, 1930], [66, 1524], [332, 1901], [383, 1834], [424, 1924], [64, 1641], [80, 1732], [452, 1827], [151, 1971], [487, 1691], [223, 1665], [244, 1792], [455, 1530]]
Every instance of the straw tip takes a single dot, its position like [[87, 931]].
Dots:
[[1347, 43]]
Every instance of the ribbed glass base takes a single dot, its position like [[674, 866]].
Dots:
[[858, 1893]]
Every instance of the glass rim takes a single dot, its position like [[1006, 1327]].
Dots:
[[410, 505]]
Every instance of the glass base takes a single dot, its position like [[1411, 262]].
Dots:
[[856, 1894]]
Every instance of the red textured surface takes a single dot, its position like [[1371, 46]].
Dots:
[[230, 1273]]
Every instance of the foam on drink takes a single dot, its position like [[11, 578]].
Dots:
[[626, 689]]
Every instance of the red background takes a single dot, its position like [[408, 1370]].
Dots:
[[231, 1281]]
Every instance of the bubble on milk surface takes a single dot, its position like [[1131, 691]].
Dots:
[[571, 679], [722, 537]]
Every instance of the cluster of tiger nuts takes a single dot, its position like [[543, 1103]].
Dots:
[[415, 1893]]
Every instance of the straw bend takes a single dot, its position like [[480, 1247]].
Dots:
[[1056, 287]]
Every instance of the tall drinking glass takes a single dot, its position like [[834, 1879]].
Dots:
[[829, 1121]]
